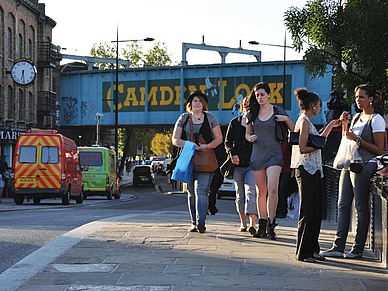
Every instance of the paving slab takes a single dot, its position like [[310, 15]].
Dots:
[[141, 253]]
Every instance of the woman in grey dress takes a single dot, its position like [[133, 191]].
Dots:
[[266, 159]]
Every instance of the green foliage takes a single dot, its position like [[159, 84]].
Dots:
[[161, 143], [157, 56], [103, 50], [350, 39]]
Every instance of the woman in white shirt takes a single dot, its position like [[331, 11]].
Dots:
[[307, 162], [366, 135]]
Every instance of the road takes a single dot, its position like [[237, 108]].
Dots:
[[24, 231]]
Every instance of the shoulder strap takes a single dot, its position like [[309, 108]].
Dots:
[[191, 127], [275, 110]]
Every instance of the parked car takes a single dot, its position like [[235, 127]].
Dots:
[[143, 175], [46, 165], [227, 189], [98, 165]]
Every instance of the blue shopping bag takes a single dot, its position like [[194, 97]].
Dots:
[[184, 165]]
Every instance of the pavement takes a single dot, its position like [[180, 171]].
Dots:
[[154, 251]]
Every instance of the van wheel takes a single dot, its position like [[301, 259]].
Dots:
[[109, 195], [66, 198], [36, 200], [118, 195], [18, 199], [80, 198]]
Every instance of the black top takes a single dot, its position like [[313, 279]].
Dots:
[[3, 167], [235, 142]]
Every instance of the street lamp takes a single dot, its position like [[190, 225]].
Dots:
[[117, 86], [284, 61]]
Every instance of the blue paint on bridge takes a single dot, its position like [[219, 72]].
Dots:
[[85, 93]]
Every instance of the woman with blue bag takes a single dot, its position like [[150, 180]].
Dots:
[[203, 125]]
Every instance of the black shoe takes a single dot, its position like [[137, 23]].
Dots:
[[262, 231], [271, 229], [213, 211], [193, 228], [252, 230], [201, 228]]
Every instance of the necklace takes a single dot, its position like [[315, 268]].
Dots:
[[199, 118]]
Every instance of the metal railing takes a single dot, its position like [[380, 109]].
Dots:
[[46, 103], [377, 240], [48, 55]]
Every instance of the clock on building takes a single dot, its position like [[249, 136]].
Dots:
[[23, 72]]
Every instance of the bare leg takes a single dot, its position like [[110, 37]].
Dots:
[[243, 219], [252, 220], [273, 175], [261, 189]]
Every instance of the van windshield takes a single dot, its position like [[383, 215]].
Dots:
[[27, 154], [90, 159], [50, 155]]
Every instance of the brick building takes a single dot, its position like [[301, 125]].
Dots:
[[26, 33]]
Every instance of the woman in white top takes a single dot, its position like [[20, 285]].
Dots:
[[307, 162], [366, 135]]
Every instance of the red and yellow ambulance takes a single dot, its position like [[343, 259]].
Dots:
[[46, 165]]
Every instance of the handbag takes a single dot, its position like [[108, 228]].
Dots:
[[184, 166], [227, 168], [315, 141], [204, 160], [281, 128]]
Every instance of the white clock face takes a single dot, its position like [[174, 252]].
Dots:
[[23, 72]]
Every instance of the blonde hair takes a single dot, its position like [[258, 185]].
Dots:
[[189, 108]]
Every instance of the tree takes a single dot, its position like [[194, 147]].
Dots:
[[156, 56], [161, 143], [352, 38]]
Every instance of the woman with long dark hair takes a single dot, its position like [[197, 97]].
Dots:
[[266, 158]]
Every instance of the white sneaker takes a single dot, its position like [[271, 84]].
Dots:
[[332, 253], [352, 255]]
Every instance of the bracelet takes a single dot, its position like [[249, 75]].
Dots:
[[359, 141]]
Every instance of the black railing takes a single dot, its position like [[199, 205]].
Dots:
[[378, 235], [46, 103], [48, 55]]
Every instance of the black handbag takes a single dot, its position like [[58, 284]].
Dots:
[[281, 128], [315, 141], [227, 168]]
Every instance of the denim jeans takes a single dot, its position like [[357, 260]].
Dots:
[[246, 199], [197, 198], [357, 186]]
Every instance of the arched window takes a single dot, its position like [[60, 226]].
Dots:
[[10, 43], [30, 107], [20, 46], [30, 49], [10, 102], [1, 30], [21, 105]]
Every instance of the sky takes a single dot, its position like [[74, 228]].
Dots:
[[82, 23]]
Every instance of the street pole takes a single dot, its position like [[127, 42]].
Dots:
[[116, 106], [284, 72], [116, 103], [284, 46]]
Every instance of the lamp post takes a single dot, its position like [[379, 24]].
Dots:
[[117, 86], [284, 61]]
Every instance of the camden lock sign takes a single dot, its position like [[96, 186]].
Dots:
[[164, 95]]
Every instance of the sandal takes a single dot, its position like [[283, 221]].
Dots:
[[309, 260], [319, 257]]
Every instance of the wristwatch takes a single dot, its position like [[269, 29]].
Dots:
[[359, 141]]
